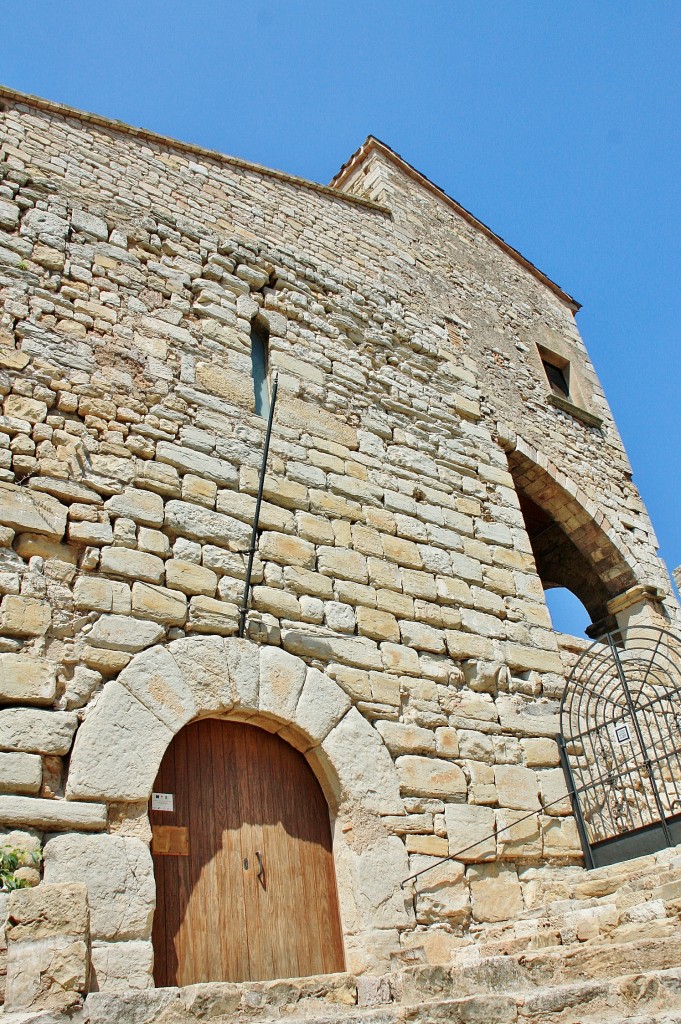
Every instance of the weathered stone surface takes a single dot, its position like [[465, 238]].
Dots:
[[167, 607], [31, 512], [118, 873], [188, 520], [122, 966], [190, 578], [25, 679], [155, 679], [358, 764], [495, 893], [20, 773], [517, 787], [189, 461], [118, 749], [36, 731], [349, 651], [120, 632], [321, 705], [401, 738], [470, 830], [373, 874], [204, 664], [138, 565], [286, 550], [281, 681], [24, 616], [49, 960], [142, 506], [133, 1007], [52, 815], [206, 615], [441, 894], [430, 776]]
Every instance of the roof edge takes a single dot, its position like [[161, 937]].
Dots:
[[111, 124], [372, 143]]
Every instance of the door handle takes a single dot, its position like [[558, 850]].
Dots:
[[261, 869]]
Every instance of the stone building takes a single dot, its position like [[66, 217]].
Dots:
[[441, 452]]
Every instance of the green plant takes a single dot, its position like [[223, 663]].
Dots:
[[10, 861]]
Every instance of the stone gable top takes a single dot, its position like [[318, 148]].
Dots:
[[372, 145]]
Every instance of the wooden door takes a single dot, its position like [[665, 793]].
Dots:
[[245, 882]]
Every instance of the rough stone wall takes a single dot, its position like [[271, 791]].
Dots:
[[393, 555]]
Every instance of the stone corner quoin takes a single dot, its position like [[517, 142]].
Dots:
[[422, 489]]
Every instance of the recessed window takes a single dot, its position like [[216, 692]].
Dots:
[[259, 361], [558, 374]]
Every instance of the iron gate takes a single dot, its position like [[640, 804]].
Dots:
[[620, 743]]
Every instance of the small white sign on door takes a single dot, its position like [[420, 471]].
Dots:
[[163, 801], [620, 733]]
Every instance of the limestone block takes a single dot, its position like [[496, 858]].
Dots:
[[477, 746], [94, 534], [286, 550], [428, 845], [553, 788], [25, 408], [356, 762], [540, 752], [403, 552], [232, 385], [370, 879], [276, 602], [154, 476], [36, 731], [309, 418], [153, 541], [517, 835], [89, 224], [358, 651], [441, 893], [133, 1007], [495, 893], [422, 637], [101, 595], [321, 705], [207, 615], [123, 633], [30, 545], [561, 838], [20, 773], [103, 661], [190, 578], [187, 460], [24, 616], [281, 681], [528, 717], [202, 524], [343, 563], [80, 687], [52, 815], [525, 659], [144, 507], [48, 947], [138, 565], [517, 787], [447, 742], [118, 749], [25, 679], [400, 660], [28, 511], [168, 607], [9, 215], [430, 776], [45, 227], [119, 876], [470, 831], [379, 625], [401, 738], [121, 966], [467, 645], [208, 667], [156, 680]]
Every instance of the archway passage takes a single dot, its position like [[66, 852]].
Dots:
[[244, 868]]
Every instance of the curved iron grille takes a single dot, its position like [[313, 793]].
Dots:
[[620, 721]]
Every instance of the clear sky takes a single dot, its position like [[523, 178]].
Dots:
[[558, 124]]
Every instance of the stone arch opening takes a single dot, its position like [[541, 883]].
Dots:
[[570, 541], [119, 747]]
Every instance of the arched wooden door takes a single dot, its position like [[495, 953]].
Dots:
[[245, 878]]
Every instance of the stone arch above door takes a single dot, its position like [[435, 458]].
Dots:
[[119, 746]]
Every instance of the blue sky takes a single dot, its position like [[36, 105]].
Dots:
[[556, 124]]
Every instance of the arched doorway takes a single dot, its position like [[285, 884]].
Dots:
[[244, 868]]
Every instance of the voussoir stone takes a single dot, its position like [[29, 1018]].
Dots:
[[321, 705], [281, 680], [31, 511], [362, 765], [154, 677], [118, 749], [119, 876]]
